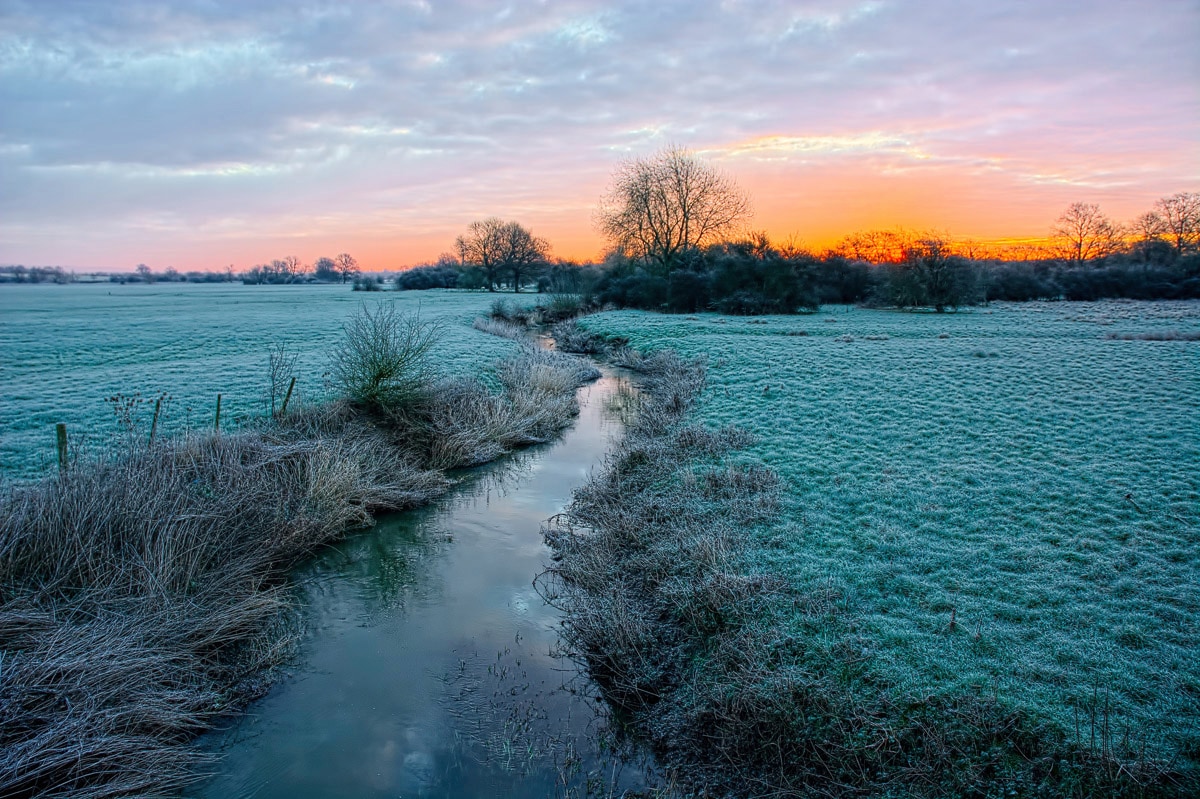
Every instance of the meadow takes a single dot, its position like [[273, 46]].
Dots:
[[64, 350], [1005, 501]]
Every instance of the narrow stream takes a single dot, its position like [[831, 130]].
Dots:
[[428, 665]]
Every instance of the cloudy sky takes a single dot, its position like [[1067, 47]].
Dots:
[[203, 133]]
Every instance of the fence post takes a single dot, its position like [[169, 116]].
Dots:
[[287, 396], [60, 431], [217, 420], [154, 423]]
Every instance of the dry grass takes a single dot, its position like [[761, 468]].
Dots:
[[144, 595], [752, 687], [501, 327]]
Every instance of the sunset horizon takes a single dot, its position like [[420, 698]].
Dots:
[[203, 137]]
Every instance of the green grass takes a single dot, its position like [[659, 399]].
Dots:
[[1008, 497]]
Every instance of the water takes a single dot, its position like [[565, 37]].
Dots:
[[427, 666]]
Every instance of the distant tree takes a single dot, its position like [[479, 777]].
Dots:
[[522, 253], [325, 269], [1180, 215], [1148, 227], [659, 208], [932, 275], [480, 247], [1085, 234], [873, 246], [501, 250], [347, 266], [144, 273]]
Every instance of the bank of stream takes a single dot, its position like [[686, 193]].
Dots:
[[428, 665]]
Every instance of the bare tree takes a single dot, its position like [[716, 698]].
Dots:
[[346, 266], [1148, 227], [502, 250], [481, 247], [1084, 234], [1180, 214], [522, 254], [875, 246], [660, 207]]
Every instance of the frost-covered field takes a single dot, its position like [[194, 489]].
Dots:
[[64, 349], [1009, 497]]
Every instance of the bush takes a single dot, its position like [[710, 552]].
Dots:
[[381, 362], [368, 283], [427, 277]]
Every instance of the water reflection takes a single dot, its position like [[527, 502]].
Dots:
[[428, 667]]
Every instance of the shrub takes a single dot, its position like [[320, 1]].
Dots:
[[381, 362], [427, 277]]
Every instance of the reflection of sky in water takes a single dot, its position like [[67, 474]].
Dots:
[[427, 669]]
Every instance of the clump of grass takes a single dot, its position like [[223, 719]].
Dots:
[[570, 337], [469, 425], [752, 686], [499, 327], [1158, 335], [382, 361]]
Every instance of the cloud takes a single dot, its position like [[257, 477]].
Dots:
[[412, 117]]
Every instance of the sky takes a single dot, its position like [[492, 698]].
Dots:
[[207, 133]]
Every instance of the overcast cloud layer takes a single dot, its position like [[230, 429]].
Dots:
[[198, 134]]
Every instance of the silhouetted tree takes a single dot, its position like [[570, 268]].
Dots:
[[522, 253], [660, 207], [347, 266], [1085, 234], [931, 275], [325, 269], [501, 250], [1180, 215]]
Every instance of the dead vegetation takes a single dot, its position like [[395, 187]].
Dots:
[[143, 595], [746, 685]]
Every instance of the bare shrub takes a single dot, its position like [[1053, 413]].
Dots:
[[381, 362]]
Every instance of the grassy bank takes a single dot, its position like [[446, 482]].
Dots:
[[145, 593], [981, 574]]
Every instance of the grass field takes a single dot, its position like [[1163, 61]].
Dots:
[[1008, 499], [65, 349]]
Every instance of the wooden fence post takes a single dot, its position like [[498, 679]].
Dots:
[[60, 431]]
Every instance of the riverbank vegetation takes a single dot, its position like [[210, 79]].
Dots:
[[951, 556], [145, 593]]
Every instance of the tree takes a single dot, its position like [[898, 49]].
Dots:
[[501, 249], [1180, 215], [480, 247], [325, 269], [663, 206], [522, 253], [930, 274], [1084, 234], [347, 266]]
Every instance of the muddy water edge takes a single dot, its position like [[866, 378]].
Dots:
[[428, 666]]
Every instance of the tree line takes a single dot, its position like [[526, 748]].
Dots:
[[676, 230]]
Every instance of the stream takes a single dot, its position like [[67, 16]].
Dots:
[[428, 664]]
